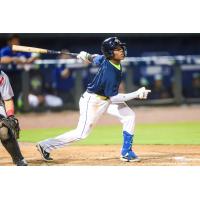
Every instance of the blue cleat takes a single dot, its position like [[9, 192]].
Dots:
[[127, 154], [130, 157]]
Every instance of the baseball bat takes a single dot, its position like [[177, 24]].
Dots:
[[40, 50]]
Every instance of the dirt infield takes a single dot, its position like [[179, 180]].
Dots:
[[151, 155], [108, 155]]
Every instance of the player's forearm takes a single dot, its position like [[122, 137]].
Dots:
[[141, 93], [6, 60], [124, 97], [91, 57], [9, 107]]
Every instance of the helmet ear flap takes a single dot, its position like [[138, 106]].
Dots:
[[108, 53], [111, 54]]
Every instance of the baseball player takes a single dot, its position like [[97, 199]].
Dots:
[[9, 126], [102, 96]]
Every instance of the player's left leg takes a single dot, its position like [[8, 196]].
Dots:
[[91, 109], [11, 145], [127, 118]]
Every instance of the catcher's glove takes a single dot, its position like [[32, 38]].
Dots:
[[11, 123]]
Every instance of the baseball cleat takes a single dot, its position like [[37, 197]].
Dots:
[[125, 159], [21, 163], [45, 155], [130, 157]]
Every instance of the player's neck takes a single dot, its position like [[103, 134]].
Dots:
[[116, 62]]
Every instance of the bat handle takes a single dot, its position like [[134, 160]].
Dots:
[[53, 52], [73, 54], [68, 53], [61, 52]]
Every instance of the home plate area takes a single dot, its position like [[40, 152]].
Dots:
[[109, 155]]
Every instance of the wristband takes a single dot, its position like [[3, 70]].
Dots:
[[10, 112]]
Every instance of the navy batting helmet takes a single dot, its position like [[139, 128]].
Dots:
[[109, 44]]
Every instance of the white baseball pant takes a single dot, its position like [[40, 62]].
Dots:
[[92, 107]]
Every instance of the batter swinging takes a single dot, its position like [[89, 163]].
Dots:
[[102, 96]]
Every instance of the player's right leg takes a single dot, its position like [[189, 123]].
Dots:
[[91, 109]]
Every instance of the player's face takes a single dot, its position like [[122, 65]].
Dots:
[[15, 41], [118, 53]]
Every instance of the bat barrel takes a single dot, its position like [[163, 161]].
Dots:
[[40, 50]]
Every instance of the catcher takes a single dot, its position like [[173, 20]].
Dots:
[[9, 126]]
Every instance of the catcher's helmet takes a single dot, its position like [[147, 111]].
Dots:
[[109, 44]]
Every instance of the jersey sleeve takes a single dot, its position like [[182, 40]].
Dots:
[[26, 54], [98, 59], [5, 52], [5, 87]]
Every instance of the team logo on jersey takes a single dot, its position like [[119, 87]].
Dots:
[[1, 80]]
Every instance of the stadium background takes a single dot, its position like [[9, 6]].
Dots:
[[172, 115], [175, 44]]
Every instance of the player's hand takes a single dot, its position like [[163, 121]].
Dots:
[[143, 93], [84, 56]]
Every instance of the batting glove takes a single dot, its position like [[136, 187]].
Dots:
[[84, 56], [143, 93]]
